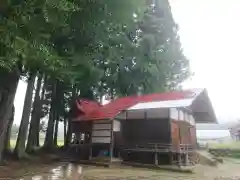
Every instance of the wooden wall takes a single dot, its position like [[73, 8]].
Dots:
[[101, 132], [146, 131], [175, 134], [193, 132], [183, 127], [183, 133], [83, 126]]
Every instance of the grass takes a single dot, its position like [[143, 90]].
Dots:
[[235, 145], [14, 141]]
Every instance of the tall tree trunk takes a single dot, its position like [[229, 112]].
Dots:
[[7, 145], [9, 82], [56, 131], [23, 130], [65, 129], [32, 136], [69, 131], [48, 142], [39, 110]]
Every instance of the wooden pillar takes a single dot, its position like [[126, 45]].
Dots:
[[186, 159], [179, 130], [90, 149], [173, 145], [90, 143], [156, 156], [171, 158], [145, 115], [179, 159], [90, 152], [111, 142]]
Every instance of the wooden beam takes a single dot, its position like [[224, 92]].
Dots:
[[145, 115], [90, 149], [155, 155], [179, 159], [186, 159], [170, 124], [111, 143]]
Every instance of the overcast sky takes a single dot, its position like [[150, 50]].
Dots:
[[209, 31], [210, 36]]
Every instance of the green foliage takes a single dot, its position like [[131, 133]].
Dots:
[[146, 56], [94, 47], [25, 30], [161, 46], [101, 46]]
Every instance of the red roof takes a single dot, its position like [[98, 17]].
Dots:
[[87, 106], [94, 111]]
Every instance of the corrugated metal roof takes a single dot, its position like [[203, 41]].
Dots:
[[162, 104], [169, 100], [160, 100], [212, 127]]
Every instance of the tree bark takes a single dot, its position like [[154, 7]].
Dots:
[[56, 131], [33, 130], [48, 142], [40, 109], [69, 131], [7, 145], [19, 150], [65, 128], [9, 82]]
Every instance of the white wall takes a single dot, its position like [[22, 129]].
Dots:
[[101, 132], [101, 126], [116, 126], [181, 115], [158, 113], [140, 114], [101, 140], [174, 113]]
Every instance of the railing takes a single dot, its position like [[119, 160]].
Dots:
[[159, 147], [186, 147], [182, 154]]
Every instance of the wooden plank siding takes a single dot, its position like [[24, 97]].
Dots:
[[143, 131], [193, 136], [182, 133], [175, 135], [183, 128], [101, 132]]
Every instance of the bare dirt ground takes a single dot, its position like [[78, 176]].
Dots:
[[228, 170], [62, 171]]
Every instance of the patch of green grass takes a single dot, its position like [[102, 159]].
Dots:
[[235, 155], [225, 145], [60, 142], [14, 141]]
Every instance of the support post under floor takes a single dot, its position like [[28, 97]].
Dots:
[[179, 159], [156, 158], [186, 159]]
